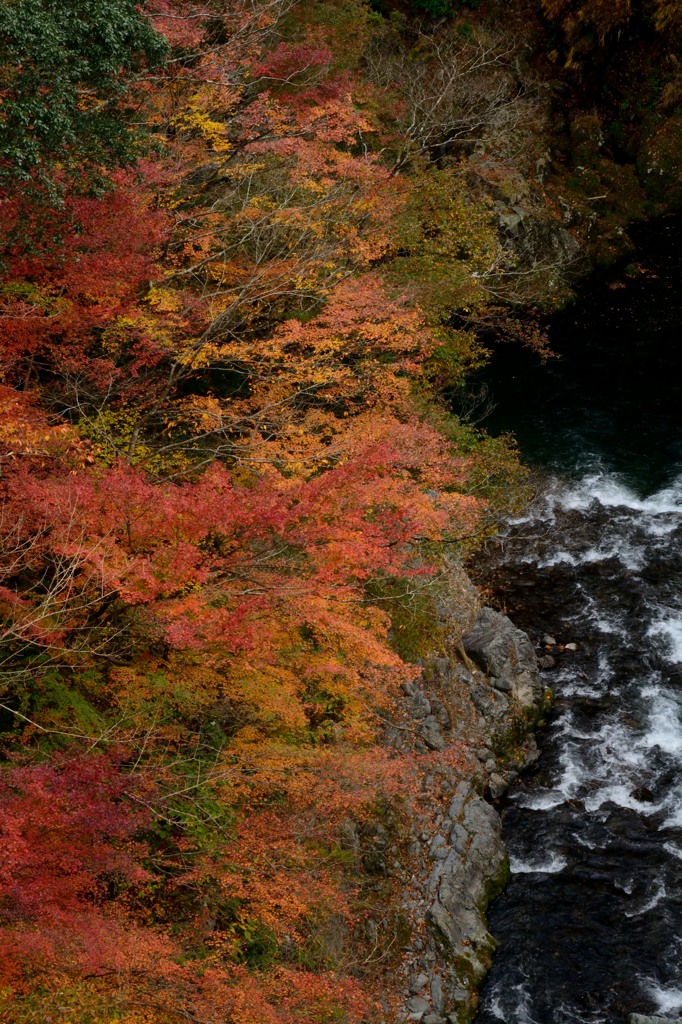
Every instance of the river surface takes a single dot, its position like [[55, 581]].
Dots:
[[590, 927]]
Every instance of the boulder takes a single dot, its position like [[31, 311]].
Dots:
[[416, 1004], [498, 785], [506, 655], [431, 733], [418, 982], [419, 705]]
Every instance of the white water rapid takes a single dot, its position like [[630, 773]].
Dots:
[[590, 928]]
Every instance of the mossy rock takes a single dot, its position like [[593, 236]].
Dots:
[[495, 886]]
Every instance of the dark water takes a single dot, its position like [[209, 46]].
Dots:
[[590, 927]]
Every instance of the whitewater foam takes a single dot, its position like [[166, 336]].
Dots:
[[670, 630], [548, 866], [609, 491], [668, 1000], [512, 1005]]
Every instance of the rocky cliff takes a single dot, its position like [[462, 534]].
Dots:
[[459, 862]]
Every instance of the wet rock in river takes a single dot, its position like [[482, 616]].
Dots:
[[628, 824], [643, 794]]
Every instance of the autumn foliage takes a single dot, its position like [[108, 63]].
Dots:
[[221, 463], [610, 19]]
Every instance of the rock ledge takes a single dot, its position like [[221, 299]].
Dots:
[[493, 679]]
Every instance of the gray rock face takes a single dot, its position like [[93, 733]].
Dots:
[[416, 1004], [437, 993], [418, 982], [461, 883], [420, 707], [459, 860], [506, 655], [490, 702], [430, 731]]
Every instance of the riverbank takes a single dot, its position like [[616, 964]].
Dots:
[[484, 697]]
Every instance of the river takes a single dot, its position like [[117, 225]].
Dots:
[[590, 926]]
